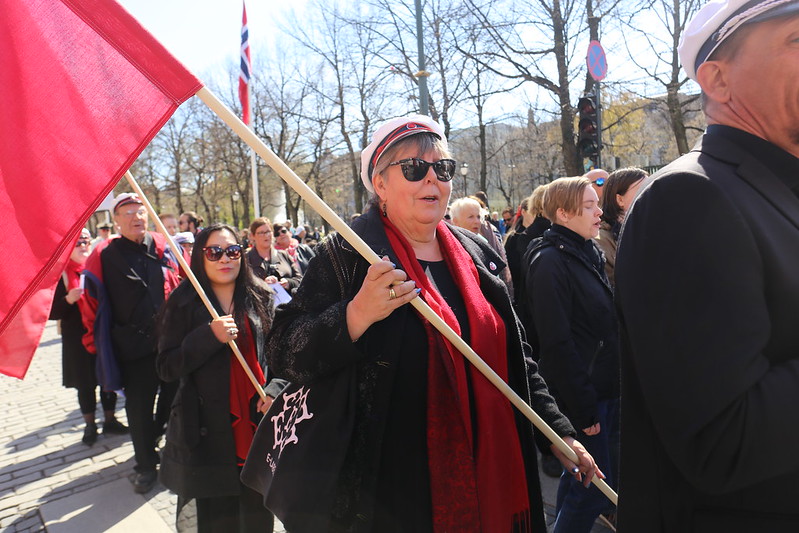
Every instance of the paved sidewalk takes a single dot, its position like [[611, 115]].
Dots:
[[50, 481]]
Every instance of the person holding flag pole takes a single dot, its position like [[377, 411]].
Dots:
[[343, 229], [214, 392], [149, 85], [435, 446]]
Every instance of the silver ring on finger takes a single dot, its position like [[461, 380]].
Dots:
[[391, 293]]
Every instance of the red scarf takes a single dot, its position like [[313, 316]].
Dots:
[[477, 475], [242, 391], [291, 248], [72, 271]]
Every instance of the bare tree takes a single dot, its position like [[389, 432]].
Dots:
[[534, 41], [671, 16], [350, 54]]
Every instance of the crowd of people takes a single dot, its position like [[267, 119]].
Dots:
[[623, 329]]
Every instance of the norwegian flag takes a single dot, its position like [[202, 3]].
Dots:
[[244, 76]]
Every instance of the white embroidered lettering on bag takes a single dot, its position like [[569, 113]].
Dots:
[[295, 410]]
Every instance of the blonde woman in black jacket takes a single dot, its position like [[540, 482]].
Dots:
[[572, 311]]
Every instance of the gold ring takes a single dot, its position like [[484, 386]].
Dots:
[[391, 293]]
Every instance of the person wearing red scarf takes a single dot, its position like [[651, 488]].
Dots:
[[436, 447], [78, 364], [216, 410]]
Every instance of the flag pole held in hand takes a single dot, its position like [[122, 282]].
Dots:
[[311, 198], [193, 279]]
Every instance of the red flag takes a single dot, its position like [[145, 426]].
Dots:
[[86, 88], [244, 76]]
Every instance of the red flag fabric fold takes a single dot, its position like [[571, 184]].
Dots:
[[85, 89]]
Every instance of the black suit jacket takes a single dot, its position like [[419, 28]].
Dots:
[[710, 347]]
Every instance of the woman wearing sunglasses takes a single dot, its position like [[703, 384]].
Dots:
[[435, 446], [216, 409], [78, 365], [300, 253], [267, 262]]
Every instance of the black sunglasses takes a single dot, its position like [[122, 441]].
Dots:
[[82, 242], [281, 231], [415, 169], [214, 253]]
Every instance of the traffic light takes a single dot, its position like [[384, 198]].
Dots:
[[588, 128]]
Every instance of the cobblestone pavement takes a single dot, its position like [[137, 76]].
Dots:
[[42, 458]]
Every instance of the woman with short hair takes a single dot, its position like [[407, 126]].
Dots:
[[467, 213], [267, 262], [435, 446], [571, 303]]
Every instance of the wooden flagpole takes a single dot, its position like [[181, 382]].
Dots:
[[310, 197], [193, 279]]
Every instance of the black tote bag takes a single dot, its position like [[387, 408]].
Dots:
[[299, 448]]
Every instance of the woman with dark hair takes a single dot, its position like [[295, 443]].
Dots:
[[190, 221], [300, 253], [216, 410], [435, 447], [621, 188]]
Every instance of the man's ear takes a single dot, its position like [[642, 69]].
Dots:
[[713, 77]]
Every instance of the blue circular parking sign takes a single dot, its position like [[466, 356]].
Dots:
[[596, 61]]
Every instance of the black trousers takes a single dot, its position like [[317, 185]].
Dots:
[[244, 513], [141, 387], [87, 400]]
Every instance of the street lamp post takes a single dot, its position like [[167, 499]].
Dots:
[[235, 197], [464, 171]]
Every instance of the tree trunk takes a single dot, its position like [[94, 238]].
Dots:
[[572, 165]]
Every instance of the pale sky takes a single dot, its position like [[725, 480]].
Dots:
[[206, 34]]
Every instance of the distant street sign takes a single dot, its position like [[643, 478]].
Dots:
[[596, 61]]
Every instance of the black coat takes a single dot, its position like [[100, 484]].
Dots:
[[199, 459], [572, 311], [310, 339], [304, 255], [710, 346], [279, 265], [516, 247], [77, 363], [135, 298]]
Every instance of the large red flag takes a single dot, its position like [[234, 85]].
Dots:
[[84, 89]]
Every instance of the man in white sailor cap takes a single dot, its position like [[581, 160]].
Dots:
[[709, 299]]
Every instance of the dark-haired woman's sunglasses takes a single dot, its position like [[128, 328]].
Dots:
[[214, 253], [415, 169]]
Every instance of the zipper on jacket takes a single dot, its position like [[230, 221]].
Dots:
[[593, 359]]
